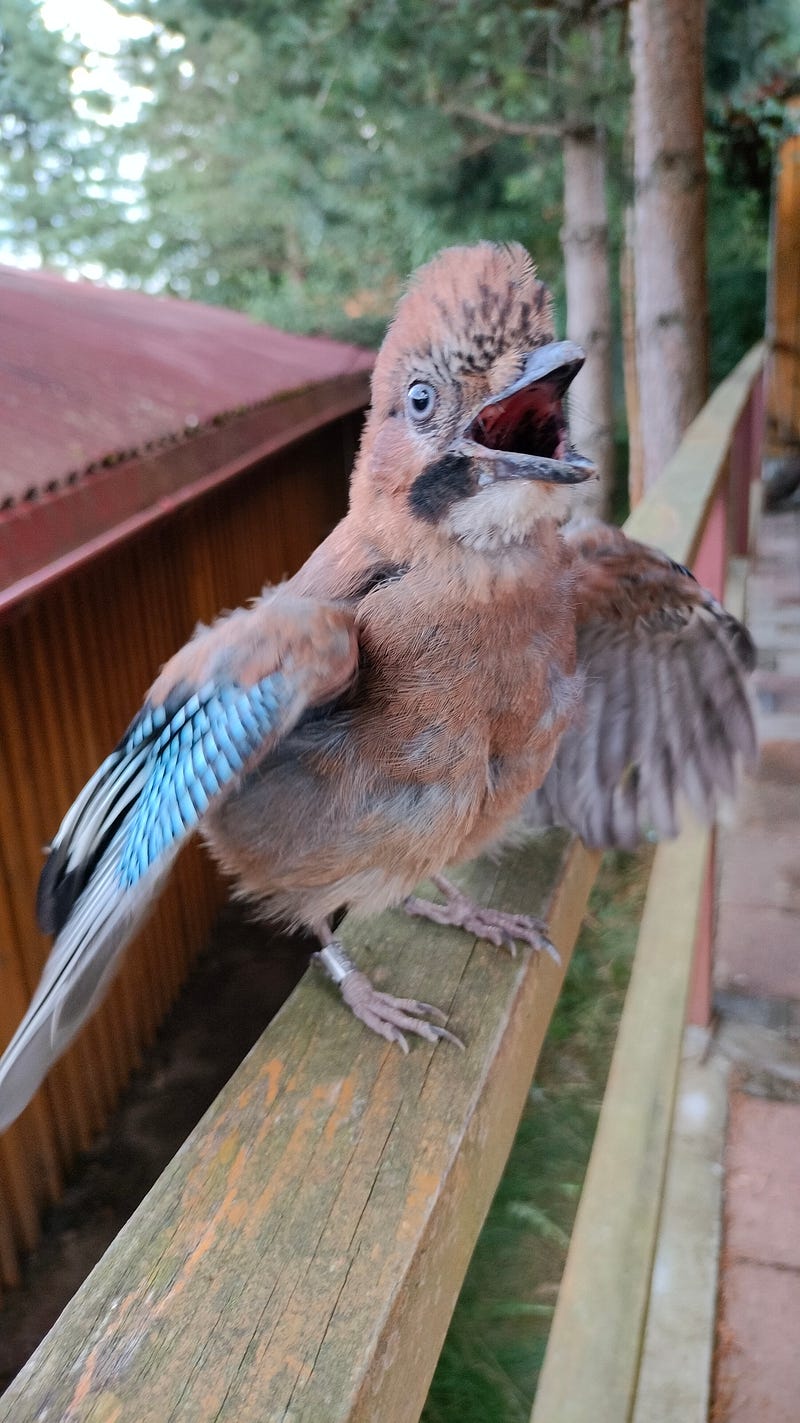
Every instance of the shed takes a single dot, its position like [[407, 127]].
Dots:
[[159, 460]]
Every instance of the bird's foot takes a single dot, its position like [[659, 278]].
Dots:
[[502, 929], [391, 1017]]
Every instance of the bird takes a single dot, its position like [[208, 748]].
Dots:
[[456, 657]]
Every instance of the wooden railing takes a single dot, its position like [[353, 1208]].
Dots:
[[301, 1256], [700, 512]]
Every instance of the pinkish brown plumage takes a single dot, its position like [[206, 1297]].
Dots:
[[450, 658]]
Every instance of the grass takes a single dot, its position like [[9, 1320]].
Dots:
[[490, 1363]]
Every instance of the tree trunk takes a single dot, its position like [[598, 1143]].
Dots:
[[670, 222], [584, 239]]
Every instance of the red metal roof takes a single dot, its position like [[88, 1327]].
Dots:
[[87, 372]]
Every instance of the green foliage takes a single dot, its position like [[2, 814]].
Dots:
[[750, 43], [308, 160], [301, 160], [738, 254], [751, 64]]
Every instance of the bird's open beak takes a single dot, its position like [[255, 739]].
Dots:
[[522, 432]]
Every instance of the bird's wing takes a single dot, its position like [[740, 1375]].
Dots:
[[219, 706], [665, 705]]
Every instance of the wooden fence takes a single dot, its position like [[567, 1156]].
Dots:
[[300, 1258], [76, 655]]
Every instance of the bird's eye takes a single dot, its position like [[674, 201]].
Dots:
[[420, 400]]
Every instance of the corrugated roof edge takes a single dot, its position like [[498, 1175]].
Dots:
[[89, 373], [44, 538], [164, 442]]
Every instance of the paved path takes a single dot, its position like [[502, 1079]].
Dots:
[[757, 981]]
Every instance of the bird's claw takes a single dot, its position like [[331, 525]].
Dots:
[[508, 930], [503, 930], [388, 1016]]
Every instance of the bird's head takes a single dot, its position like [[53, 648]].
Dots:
[[466, 438]]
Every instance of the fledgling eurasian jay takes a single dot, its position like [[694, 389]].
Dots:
[[452, 656]]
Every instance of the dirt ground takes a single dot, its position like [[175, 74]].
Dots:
[[236, 987]]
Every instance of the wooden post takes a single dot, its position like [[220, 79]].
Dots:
[[709, 569], [783, 317], [698, 1010], [712, 555], [745, 468], [740, 477], [757, 405]]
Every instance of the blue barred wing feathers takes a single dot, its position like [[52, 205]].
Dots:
[[262, 668]]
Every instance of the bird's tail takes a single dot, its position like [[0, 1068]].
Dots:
[[82, 964]]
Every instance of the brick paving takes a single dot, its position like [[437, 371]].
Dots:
[[757, 966], [758, 925]]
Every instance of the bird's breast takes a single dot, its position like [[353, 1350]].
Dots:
[[454, 717], [454, 689]]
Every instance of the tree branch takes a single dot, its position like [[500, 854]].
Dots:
[[498, 124]]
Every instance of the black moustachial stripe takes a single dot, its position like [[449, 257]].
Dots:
[[440, 485]]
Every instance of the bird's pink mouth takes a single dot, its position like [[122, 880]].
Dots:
[[521, 433], [529, 421]]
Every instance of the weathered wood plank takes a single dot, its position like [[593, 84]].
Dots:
[[675, 1373], [590, 1368], [301, 1256]]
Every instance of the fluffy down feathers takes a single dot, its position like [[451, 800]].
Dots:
[[388, 711]]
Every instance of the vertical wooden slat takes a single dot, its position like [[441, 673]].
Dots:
[[783, 406], [74, 666], [699, 1006], [55, 736], [709, 569], [712, 556], [741, 458], [22, 834], [103, 667], [757, 417], [86, 737], [28, 1150], [72, 759], [23, 1186], [10, 1274]]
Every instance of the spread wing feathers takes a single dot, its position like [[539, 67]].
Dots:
[[666, 709], [77, 974], [253, 674]]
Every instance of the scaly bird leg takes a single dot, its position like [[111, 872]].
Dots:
[[493, 924], [382, 1012]]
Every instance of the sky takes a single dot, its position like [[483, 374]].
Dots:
[[102, 30], [96, 23]]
